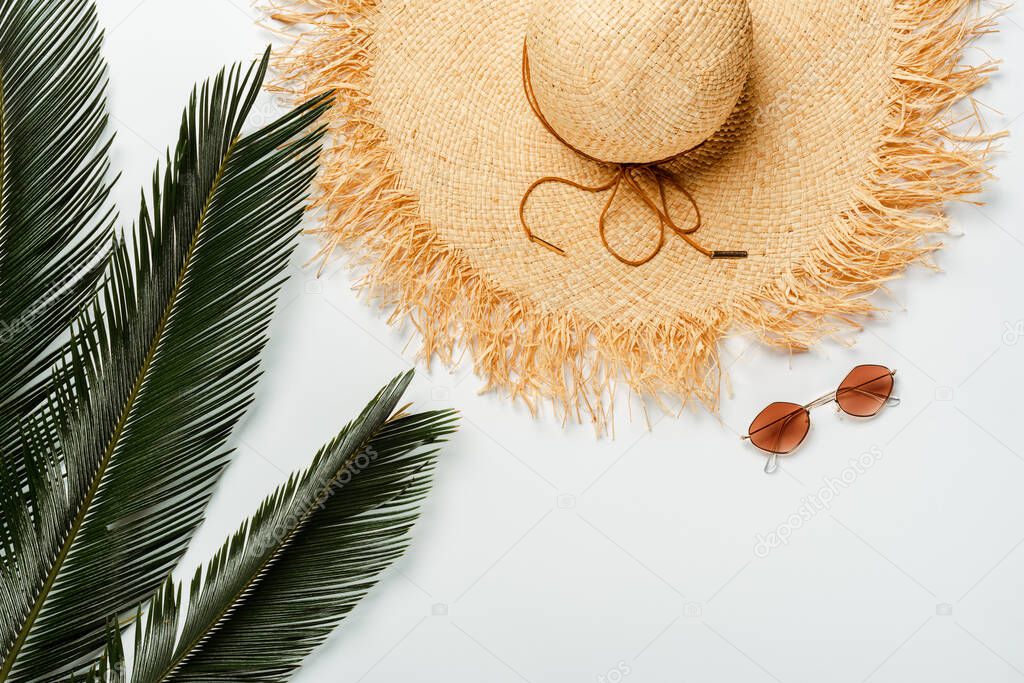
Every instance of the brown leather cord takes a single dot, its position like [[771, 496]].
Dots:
[[624, 174]]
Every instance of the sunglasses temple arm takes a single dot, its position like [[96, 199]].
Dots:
[[772, 466]]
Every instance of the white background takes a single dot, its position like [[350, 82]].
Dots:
[[545, 555]]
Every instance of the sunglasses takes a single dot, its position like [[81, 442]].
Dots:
[[780, 428]]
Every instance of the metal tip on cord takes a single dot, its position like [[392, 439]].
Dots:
[[547, 245]]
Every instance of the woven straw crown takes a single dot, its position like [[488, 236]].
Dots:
[[638, 81]]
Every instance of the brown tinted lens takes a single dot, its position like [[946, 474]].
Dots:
[[865, 390], [780, 428]]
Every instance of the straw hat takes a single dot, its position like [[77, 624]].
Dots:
[[591, 190]]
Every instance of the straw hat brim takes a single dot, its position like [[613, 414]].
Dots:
[[832, 172]]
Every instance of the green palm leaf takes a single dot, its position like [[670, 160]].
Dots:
[[281, 584], [122, 459], [55, 217]]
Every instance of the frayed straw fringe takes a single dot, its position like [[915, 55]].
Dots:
[[541, 355]]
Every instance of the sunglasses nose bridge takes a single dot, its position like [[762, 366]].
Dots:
[[824, 400]]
